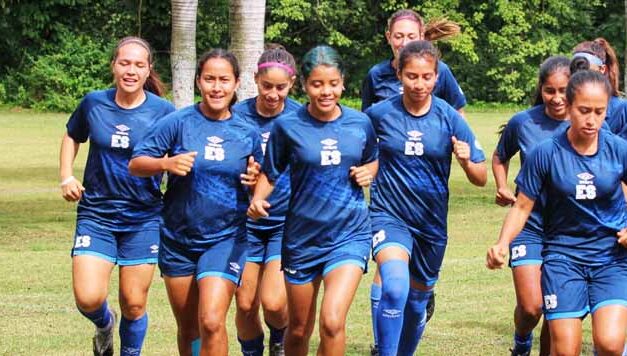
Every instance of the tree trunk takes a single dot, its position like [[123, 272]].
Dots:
[[246, 25], [183, 51]]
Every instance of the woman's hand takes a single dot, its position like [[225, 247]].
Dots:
[[252, 173], [72, 189], [504, 197], [361, 175], [180, 164], [495, 259], [258, 209]]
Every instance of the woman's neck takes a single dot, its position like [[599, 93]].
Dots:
[[417, 108], [129, 100], [584, 145], [214, 115], [261, 110]]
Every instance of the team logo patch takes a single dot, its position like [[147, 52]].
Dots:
[[585, 189], [550, 301], [392, 313], [413, 145], [330, 155], [154, 248], [414, 135], [122, 128], [120, 138], [82, 241], [378, 238], [234, 266], [214, 150], [290, 271]]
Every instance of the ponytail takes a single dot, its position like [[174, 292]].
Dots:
[[153, 83]]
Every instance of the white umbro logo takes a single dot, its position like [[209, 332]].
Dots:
[[122, 128], [215, 139], [234, 267], [328, 142], [290, 271], [414, 135], [154, 249], [265, 136], [585, 176]]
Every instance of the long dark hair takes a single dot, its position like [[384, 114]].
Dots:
[[223, 54]]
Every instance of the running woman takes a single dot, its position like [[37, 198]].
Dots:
[[404, 26], [331, 152], [205, 148], [584, 267], [262, 279], [418, 133], [521, 134], [118, 216]]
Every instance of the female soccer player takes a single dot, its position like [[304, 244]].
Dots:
[[417, 134], [118, 215], [522, 133], [404, 26], [262, 279], [331, 152], [584, 267], [203, 240], [599, 55]]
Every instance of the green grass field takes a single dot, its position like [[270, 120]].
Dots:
[[37, 312]]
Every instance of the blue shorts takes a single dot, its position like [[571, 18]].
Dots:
[[572, 290], [526, 249], [124, 248], [355, 253], [264, 245], [425, 256], [223, 259]]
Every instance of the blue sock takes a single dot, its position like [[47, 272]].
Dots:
[[196, 347], [375, 297], [132, 333], [252, 347], [276, 335], [414, 322], [101, 317], [522, 344], [395, 287]]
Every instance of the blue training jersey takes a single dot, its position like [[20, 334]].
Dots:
[[617, 116], [585, 205], [208, 204], [523, 132], [327, 208], [280, 196], [381, 83], [113, 197], [415, 163]]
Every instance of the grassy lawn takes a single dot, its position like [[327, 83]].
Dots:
[[37, 312]]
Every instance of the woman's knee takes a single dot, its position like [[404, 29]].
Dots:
[[212, 322], [332, 325]]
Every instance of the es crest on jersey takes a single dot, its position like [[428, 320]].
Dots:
[[413, 145], [121, 139], [585, 188], [330, 155], [214, 150]]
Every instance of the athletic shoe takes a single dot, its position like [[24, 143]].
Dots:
[[374, 351], [515, 353], [103, 339], [277, 350], [430, 306]]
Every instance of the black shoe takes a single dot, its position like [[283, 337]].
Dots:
[[277, 350], [515, 353], [430, 306], [374, 351]]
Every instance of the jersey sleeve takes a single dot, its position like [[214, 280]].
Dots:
[[451, 91], [508, 144], [530, 179], [78, 124], [462, 132], [371, 149], [257, 150], [160, 139], [276, 158], [367, 92]]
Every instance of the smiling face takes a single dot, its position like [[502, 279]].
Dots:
[[418, 77], [273, 86], [553, 93], [217, 84], [131, 68], [401, 32], [587, 111], [324, 87]]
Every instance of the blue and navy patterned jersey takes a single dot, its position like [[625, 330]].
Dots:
[[585, 205], [382, 83], [113, 197], [209, 203], [617, 116], [280, 196], [415, 163], [327, 208], [523, 132]]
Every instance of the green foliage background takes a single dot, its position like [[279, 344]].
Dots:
[[53, 52]]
